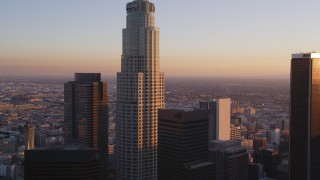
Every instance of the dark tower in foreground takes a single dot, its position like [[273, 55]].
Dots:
[[86, 114], [183, 145], [62, 163], [231, 159], [305, 117]]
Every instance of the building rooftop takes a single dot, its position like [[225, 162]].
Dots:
[[140, 6], [197, 164], [305, 55], [60, 154], [71, 148], [218, 144], [87, 77]]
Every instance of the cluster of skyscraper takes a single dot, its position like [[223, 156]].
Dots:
[[156, 143], [84, 155]]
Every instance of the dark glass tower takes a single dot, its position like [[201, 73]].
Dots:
[[183, 145], [86, 114], [305, 117], [231, 159]]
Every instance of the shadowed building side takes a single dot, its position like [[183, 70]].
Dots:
[[62, 163], [183, 145], [231, 160]]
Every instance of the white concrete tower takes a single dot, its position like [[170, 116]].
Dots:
[[140, 93]]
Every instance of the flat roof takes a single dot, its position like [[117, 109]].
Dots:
[[305, 55], [65, 147], [198, 164]]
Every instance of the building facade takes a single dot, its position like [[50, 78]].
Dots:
[[235, 132], [304, 140], [231, 160], [29, 135], [86, 114], [256, 171], [140, 93], [62, 163], [219, 118], [183, 145]]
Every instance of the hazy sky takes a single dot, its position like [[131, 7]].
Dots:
[[198, 37]]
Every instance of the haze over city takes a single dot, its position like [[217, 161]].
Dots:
[[198, 38]]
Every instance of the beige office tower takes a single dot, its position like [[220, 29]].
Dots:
[[140, 93], [29, 136], [219, 118]]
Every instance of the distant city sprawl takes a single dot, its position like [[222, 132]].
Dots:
[[259, 109]]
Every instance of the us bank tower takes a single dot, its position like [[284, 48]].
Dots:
[[140, 93]]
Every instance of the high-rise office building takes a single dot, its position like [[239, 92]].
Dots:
[[183, 145], [219, 118], [140, 93], [62, 163], [275, 136], [29, 135], [235, 132], [231, 159], [86, 114], [305, 117]]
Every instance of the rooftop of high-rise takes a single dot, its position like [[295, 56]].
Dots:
[[306, 55], [69, 147], [87, 77], [72, 153], [140, 6]]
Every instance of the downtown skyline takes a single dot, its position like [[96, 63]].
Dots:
[[207, 38], [245, 128]]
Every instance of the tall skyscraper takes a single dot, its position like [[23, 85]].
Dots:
[[140, 93], [219, 118], [29, 135], [86, 114], [305, 117], [183, 145]]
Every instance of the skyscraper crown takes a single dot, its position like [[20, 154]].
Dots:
[[140, 6]]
